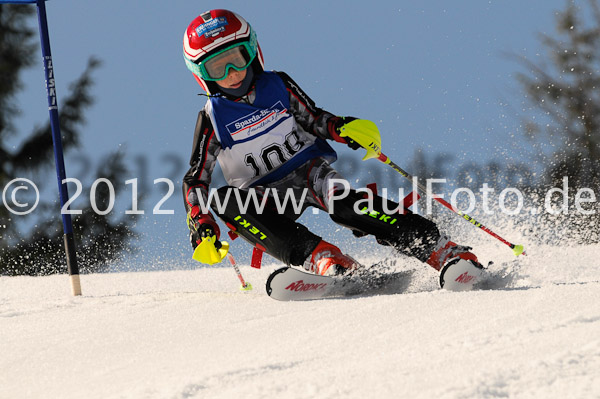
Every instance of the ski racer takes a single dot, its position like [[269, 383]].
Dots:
[[270, 138]]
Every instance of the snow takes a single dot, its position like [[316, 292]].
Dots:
[[534, 332]]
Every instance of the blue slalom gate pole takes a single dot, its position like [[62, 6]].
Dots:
[[69, 240]]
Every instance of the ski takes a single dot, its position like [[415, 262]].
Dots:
[[292, 284]]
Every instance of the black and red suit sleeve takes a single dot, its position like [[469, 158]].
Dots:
[[312, 118], [205, 149]]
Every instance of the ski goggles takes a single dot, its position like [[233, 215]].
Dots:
[[217, 66]]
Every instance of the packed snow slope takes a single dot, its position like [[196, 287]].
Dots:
[[532, 331]]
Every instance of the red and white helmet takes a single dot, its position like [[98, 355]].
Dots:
[[213, 33]]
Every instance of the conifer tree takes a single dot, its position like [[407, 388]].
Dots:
[[33, 244], [565, 86]]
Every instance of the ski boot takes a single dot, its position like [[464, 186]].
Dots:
[[327, 260], [459, 268]]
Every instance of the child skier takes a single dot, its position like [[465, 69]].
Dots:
[[270, 137]]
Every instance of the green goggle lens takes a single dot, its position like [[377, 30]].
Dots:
[[216, 67]]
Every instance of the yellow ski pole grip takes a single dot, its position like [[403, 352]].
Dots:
[[366, 134], [206, 252]]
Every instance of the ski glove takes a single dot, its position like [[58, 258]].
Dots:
[[334, 126], [201, 226]]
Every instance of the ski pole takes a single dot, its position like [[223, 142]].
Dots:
[[245, 285], [206, 252], [366, 134], [517, 249]]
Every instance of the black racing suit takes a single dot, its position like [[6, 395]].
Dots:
[[276, 231]]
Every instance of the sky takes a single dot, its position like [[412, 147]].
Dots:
[[433, 75]]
